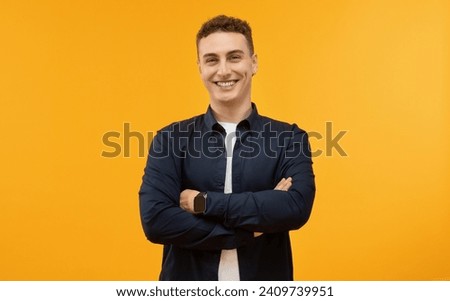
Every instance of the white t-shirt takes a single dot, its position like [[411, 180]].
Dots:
[[229, 264]]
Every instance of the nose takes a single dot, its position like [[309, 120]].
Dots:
[[223, 69]]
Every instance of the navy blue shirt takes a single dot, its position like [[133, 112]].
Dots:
[[191, 154]]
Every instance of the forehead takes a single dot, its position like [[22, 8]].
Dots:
[[222, 42]]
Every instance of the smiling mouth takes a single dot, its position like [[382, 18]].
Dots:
[[225, 84]]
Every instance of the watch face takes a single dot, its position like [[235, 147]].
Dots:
[[199, 203]]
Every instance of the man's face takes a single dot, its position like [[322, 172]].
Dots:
[[226, 67]]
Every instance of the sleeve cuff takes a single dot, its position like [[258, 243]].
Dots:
[[216, 204]]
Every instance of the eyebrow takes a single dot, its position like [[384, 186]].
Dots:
[[228, 53]]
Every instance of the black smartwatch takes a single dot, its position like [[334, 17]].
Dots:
[[200, 203]]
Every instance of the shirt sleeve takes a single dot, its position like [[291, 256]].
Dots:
[[272, 211], [163, 221]]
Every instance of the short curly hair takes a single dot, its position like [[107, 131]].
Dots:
[[224, 23]]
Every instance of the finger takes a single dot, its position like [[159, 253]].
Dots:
[[280, 184], [286, 184]]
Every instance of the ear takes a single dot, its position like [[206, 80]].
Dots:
[[199, 67], [254, 63]]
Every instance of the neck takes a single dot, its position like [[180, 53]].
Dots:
[[231, 112]]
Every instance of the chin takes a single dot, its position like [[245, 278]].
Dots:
[[230, 96], [228, 100]]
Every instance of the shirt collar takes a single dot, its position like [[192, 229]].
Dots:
[[252, 122]]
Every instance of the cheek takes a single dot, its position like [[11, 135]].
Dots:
[[206, 75], [246, 70], [204, 78]]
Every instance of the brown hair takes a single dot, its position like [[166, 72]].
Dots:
[[226, 24]]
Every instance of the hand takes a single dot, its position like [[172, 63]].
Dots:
[[283, 185], [187, 199]]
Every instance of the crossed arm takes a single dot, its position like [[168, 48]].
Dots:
[[231, 220], [187, 197]]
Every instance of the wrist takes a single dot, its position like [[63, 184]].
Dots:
[[200, 203]]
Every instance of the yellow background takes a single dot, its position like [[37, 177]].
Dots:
[[70, 71]]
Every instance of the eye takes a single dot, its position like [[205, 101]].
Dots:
[[235, 58], [211, 60]]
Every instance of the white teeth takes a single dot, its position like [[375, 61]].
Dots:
[[226, 84]]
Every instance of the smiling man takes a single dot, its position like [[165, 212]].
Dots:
[[227, 65], [222, 190]]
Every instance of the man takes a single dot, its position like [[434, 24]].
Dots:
[[223, 189]]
